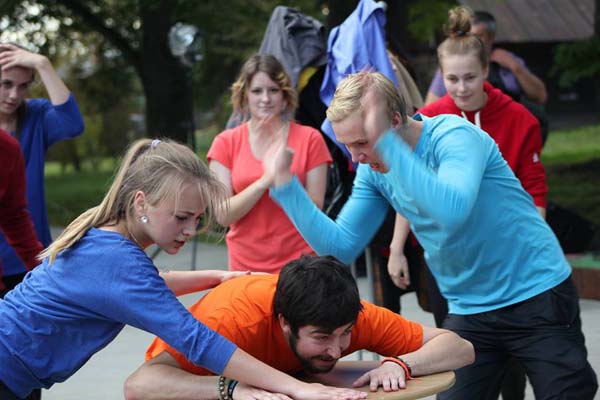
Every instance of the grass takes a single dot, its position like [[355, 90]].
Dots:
[[572, 146], [571, 158], [572, 161], [69, 193]]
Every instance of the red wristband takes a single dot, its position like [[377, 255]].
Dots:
[[401, 363]]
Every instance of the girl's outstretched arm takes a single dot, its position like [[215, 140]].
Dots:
[[184, 282]]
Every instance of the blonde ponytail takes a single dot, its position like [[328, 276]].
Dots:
[[159, 168]]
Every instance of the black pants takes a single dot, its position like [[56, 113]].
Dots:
[[10, 281], [386, 293], [543, 333], [6, 394], [437, 302], [514, 381]]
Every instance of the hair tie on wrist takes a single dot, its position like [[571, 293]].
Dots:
[[230, 387], [405, 366]]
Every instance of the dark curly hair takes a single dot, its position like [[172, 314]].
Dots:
[[318, 291]]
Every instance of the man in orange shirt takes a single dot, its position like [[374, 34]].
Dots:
[[305, 319]]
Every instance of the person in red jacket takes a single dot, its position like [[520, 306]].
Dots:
[[510, 124], [14, 217], [464, 63]]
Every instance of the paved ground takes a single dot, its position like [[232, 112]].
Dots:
[[103, 376]]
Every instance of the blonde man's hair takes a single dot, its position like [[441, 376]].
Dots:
[[351, 90], [272, 67], [160, 169], [459, 40]]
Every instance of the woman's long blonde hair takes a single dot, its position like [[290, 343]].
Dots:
[[159, 168]]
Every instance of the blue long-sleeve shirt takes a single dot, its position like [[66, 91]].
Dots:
[[484, 240], [44, 125], [62, 314]]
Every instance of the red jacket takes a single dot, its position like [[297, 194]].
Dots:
[[515, 130], [14, 217]]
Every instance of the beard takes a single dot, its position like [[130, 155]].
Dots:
[[307, 363]]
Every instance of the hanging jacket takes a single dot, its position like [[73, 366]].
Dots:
[[296, 40], [356, 45]]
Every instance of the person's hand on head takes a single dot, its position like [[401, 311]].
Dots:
[[376, 122], [14, 56], [390, 376], [504, 58]]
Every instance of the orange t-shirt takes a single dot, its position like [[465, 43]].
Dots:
[[242, 310], [265, 239]]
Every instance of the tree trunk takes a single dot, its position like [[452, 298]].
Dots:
[[75, 158], [167, 82], [597, 19]]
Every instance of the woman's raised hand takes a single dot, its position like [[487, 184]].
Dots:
[[278, 161]]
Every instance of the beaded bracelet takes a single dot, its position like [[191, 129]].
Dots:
[[402, 363], [222, 388]]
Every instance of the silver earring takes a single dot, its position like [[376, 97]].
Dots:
[[144, 219]]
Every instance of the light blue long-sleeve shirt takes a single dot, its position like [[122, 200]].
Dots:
[[484, 239]]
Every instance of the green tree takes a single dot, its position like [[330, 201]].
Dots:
[[135, 32], [577, 60]]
